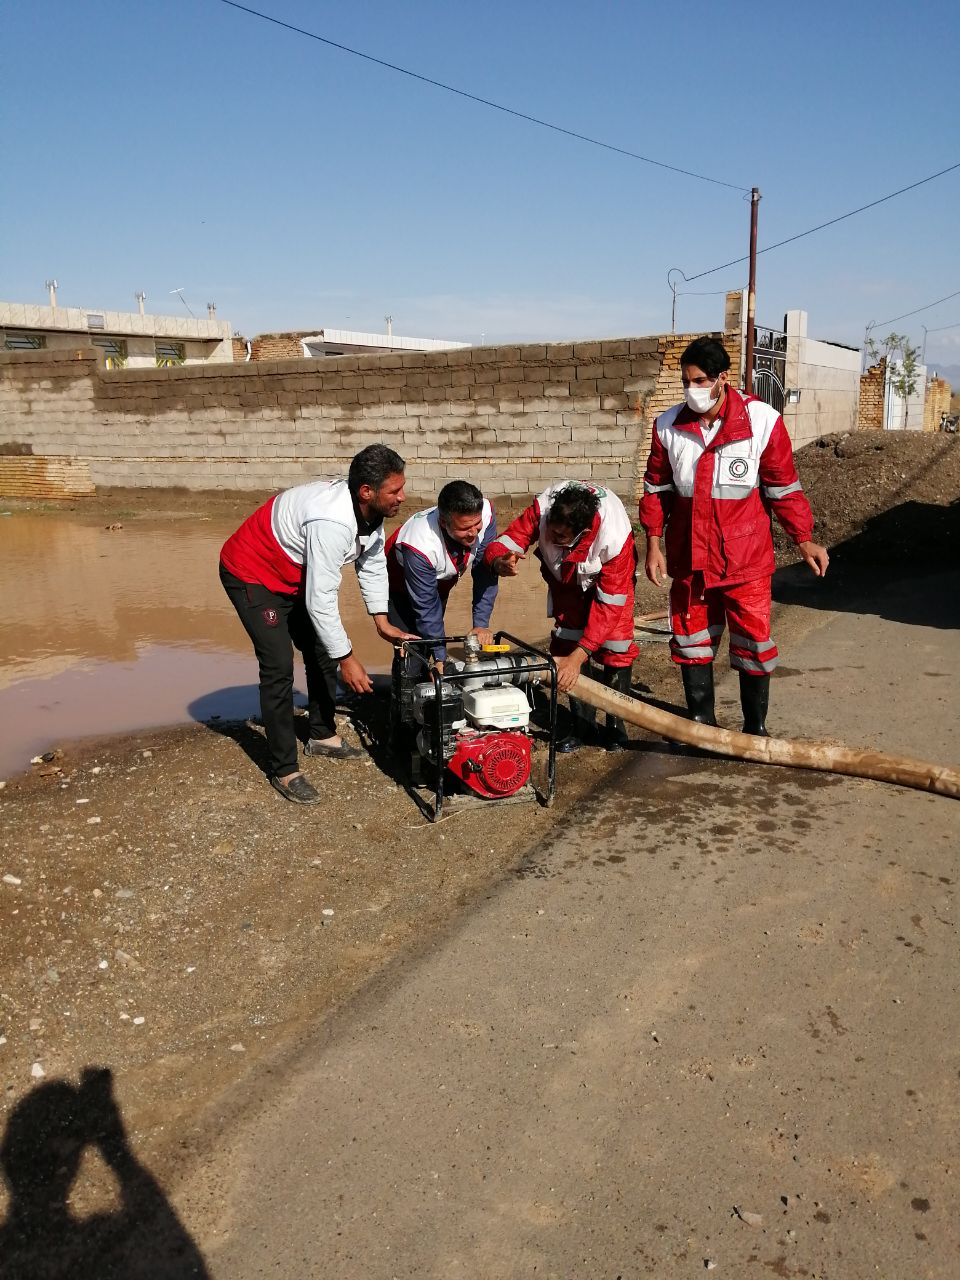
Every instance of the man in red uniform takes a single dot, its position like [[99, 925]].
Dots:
[[720, 462], [588, 559]]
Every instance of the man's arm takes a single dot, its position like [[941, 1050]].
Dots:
[[371, 567], [503, 552], [328, 544], [420, 579], [782, 490], [485, 585], [655, 506], [614, 591]]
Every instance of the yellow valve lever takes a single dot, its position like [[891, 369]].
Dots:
[[494, 648]]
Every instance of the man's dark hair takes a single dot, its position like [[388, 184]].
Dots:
[[460, 498], [707, 354], [373, 466], [574, 506]]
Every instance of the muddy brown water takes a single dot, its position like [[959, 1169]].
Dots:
[[108, 631]]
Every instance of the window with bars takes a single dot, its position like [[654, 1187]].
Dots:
[[24, 342], [115, 351], [169, 354]]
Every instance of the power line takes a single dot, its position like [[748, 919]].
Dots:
[[485, 102], [940, 328], [878, 324], [734, 262]]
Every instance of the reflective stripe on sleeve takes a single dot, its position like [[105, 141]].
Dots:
[[605, 598], [776, 491], [567, 633], [509, 543], [657, 488], [616, 646]]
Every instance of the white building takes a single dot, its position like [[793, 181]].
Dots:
[[129, 340], [345, 342], [900, 414]]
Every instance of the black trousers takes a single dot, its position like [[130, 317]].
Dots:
[[275, 623]]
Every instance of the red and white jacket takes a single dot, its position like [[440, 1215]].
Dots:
[[715, 499], [424, 564], [297, 544], [422, 535], [593, 584]]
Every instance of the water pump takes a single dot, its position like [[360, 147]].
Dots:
[[473, 718]]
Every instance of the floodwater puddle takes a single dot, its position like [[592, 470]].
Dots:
[[108, 631]]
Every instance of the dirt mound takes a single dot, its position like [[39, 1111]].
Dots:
[[887, 499]]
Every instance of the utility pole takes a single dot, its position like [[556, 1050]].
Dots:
[[672, 286], [751, 293], [52, 287]]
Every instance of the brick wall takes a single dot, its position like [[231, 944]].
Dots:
[[936, 404], [510, 418], [278, 346], [870, 413]]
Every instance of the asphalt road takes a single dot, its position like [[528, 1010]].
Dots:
[[723, 986]]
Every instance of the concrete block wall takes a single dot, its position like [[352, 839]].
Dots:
[[827, 376], [510, 418]]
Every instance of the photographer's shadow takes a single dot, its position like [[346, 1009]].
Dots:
[[46, 1137]]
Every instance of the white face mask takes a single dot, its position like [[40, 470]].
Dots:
[[702, 399]]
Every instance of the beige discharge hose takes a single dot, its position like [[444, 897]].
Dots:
[[901, 770]]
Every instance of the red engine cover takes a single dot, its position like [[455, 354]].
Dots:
[[492, 764]]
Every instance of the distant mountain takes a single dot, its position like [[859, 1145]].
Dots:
[[949, 371]]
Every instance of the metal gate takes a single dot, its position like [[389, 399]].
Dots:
[[770, 366]]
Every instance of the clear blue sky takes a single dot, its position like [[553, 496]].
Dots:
[[180, 143]]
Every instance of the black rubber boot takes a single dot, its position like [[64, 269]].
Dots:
[[581, 733], [754, 700], [615, 737], [698, 690]]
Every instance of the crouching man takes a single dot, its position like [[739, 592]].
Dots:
[[720, 462], [588, 559], [429, 554], [282, 571]]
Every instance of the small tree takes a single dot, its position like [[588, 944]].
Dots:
[[903, 363]]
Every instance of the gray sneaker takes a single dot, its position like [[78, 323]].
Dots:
[[343, 752], [299, 789]]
